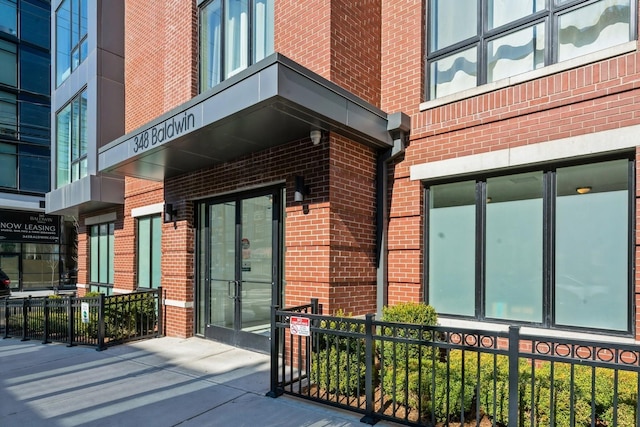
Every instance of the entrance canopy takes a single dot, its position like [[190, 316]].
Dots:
[[271, 103]]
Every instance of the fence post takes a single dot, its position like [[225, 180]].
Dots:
[[6, 318], [45, 339], [160, 332], [369, 416], [101, 323], [514, 351], [70, 320], [275, 347], [25, 317]]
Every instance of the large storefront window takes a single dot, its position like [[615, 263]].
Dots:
[[547, 247], [71, 141], [149, 251], [233, 35], [101, 257], [36, 249], [474, 42], [592, 251], [71, 37]]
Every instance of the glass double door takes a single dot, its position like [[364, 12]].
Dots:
[[239, 268]]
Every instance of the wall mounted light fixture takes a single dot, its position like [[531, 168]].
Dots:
[[170, 214], [315, 136], [301, 190]]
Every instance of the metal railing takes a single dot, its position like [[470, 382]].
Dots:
[[445, 376], [99, 321]]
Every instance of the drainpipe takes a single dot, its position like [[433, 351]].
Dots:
[[398, 126]]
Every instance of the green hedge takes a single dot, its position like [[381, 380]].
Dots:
[[338, 363], [445, 384]]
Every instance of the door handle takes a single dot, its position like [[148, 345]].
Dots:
[[232, 290]]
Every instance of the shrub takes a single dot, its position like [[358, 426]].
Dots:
[[458, 377], [338, 366], [418, 314], [408, 369]]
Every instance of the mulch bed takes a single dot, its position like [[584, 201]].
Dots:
[[399, 412]]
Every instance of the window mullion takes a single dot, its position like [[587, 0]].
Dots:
[[548, 245], [481, 210], [631, 246]]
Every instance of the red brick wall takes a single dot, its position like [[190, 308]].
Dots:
[[587, 99], [160, 58], [303, 33], [330, 238], [402, 55], [161, 73], [355, 47], [338, 39], [352, 228]]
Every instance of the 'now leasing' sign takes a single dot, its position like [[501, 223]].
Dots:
[[29, 227]]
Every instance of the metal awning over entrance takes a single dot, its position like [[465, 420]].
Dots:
[[271, 103]]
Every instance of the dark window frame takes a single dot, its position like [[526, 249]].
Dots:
[[549, 235], [548, 16], [80, 47], [74, 159], [250, 59], [100, 257], [151, 243]]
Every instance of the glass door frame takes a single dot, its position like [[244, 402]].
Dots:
[[203, 304]]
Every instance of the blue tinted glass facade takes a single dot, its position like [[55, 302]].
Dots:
[[25, 93]]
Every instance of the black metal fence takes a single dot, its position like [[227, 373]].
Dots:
[[99, 321], [444, 376]]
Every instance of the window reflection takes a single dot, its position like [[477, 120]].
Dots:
[[229, 29], [594, 27], [516, 53], [452, 21], [502, 12], [8, 17], [454, 73]]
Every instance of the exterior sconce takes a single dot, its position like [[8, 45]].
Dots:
[[301, 190], [315, 136], [170, 214]]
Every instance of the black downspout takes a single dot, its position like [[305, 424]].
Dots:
[[398, 126]]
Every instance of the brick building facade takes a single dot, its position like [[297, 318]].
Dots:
[[253, 213]]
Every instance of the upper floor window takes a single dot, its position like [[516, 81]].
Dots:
[[233, 35], [71, 141], [9, 61], [8, 165], [8, 115], [9, 17], [474, 42], [35, 20], [71, 37]]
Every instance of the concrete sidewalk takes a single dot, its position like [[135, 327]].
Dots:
[[157, 382]]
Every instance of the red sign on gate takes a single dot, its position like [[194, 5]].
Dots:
[[299, 326]]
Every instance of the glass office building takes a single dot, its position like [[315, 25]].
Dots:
[[34, 251]]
